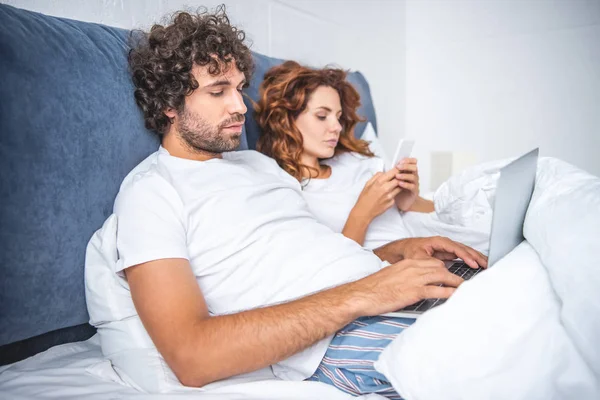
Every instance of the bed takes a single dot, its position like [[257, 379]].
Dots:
[[526, 329]]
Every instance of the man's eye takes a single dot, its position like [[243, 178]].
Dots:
[[241, 89], [216, 94]]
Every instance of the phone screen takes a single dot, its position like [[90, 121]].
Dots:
[[403, 150]]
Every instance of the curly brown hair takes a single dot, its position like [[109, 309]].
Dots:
[[161, 60], [284, 94]]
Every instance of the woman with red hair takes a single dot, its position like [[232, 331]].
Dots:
[[307, 117]]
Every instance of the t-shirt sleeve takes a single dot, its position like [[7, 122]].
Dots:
[[150, 223]]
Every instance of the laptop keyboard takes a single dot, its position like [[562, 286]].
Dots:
[[463, 270], [458, 268]]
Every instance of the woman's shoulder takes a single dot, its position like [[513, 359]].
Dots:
[[350, 158], [346, 157]]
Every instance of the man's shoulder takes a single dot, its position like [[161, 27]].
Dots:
[[145, 169], [145, 182]]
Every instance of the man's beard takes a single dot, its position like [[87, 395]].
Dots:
[[201, 136]]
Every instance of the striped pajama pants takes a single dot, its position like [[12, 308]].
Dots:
[[348, 362]]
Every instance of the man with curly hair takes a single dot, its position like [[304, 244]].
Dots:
[[222, 269]]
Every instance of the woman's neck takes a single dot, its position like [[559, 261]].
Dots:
[[316, 170]]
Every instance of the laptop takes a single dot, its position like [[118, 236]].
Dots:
[[513, 194]]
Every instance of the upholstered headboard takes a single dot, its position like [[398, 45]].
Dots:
[[70, 132]]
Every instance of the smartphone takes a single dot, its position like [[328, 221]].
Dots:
[[403, 150]]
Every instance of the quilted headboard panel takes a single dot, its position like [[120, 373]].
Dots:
[[69, 133]]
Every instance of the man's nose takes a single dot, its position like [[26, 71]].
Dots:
[[236, 105]]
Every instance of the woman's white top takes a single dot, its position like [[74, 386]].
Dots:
[[332, 199]]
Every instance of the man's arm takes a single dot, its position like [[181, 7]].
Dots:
[[391, 252], [201, 349]]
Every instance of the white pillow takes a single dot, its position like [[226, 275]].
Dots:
[[499, 337], [467, 199], [563, 224]]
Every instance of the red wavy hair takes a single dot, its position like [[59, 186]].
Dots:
[[284, 94]]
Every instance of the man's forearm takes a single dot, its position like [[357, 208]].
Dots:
[[270, 334], [391, 252]]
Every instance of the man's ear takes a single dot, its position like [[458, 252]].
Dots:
[[170, 113]]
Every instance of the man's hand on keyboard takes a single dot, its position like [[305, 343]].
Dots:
[[442, 248], [402, 284]]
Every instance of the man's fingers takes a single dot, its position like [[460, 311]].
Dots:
[[437, 292], [481, 259], [429, 262], [465, 255], [444, 255], [476, 258], [422, 263], [441, 276], [442, 244]]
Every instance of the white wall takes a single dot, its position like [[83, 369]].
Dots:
[[362, 35], [358, 35], [493, 79], [482, 79]]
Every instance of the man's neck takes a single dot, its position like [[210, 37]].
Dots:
[[177, 148]]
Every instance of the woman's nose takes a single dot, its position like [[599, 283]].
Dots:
[[336, 127]]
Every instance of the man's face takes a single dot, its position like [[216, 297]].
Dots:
[[213, 115]]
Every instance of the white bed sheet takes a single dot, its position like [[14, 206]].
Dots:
[[499, 337], [526, 329], [79, 371]]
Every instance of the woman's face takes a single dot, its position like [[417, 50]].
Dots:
[[319, 123]]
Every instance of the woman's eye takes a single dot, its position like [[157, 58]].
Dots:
[[216, 94], [321, 117]]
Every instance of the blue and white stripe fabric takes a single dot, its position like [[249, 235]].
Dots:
[[348, 362]]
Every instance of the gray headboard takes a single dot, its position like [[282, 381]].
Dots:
[[70, 132]]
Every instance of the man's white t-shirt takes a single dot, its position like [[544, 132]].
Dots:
[[332, 199], [244, 226]]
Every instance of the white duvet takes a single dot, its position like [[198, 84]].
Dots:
[[76, 371], [529, 328], [526, 329]]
